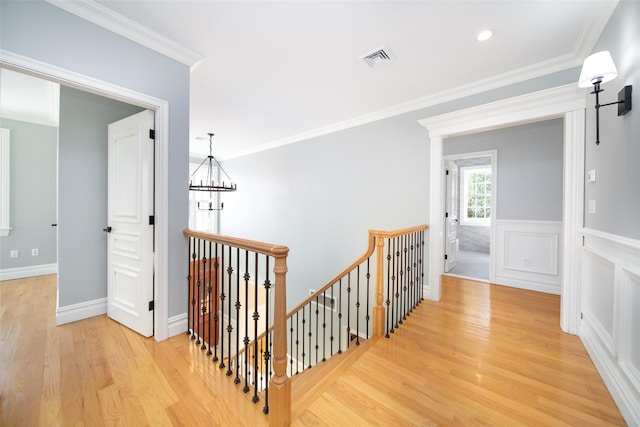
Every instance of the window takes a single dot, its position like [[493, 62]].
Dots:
[[476, 195]]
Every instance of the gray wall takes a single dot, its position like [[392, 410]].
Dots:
[[43, 32], [82, 202], [33, 194], [320, 196], [616, 159], [529, 170]]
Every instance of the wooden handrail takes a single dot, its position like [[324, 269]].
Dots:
[[373, 234], [277, 251]]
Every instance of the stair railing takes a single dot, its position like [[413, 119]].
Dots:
[[360, 301], [237, 291]]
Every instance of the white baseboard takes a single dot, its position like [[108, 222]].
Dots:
[[178, 324], [81, 311], [529, 285], [31, 271], [622, 390]]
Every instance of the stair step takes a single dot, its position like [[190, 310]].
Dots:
[[307, 386]]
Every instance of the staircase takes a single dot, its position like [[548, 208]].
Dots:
[[237, 313]]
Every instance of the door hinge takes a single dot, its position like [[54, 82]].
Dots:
[[581, 315], [447, 172], [446, 214], [152, 219], [151, 306], [446, 256], [152, 134]]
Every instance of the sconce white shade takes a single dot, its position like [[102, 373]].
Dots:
[[598, 66]]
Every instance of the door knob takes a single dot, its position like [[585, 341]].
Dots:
[[108, 229]]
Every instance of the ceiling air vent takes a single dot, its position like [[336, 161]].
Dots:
[[376, 57]]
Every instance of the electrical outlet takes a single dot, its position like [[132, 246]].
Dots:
[[13, 254], [35, 252]]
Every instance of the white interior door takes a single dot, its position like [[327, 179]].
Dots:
[[451, 216], [130, 212]]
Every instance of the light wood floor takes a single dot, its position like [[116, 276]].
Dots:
[[484, 355]]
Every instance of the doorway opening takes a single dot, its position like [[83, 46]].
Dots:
[[469, 210], [74, 80]]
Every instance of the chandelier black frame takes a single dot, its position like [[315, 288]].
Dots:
[[210, 185]]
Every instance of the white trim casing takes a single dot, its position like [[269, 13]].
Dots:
[[81, 311], [178, 325], [31, 271], [161, 108], [567, 101], [5, 164]]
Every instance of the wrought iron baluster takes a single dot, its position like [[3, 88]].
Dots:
[[304, 323], [256, 318], [198, 332], [202, 302], [229, 325], [394, 280], [389, 315], [210, 300], [247, 277], [401, 280], [421, 265], [340, 316], [358, 305], [238, 305], [317, 318], [216, 316], [331, 314], [324, 326], [310, 334], [298, 343], [368, 316], [222, 298], [348, 310], [267, 353], [191, 259], [290, 321]]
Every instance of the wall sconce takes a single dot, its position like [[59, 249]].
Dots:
[[599, 69]]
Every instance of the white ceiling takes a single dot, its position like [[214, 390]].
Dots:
[[277, 72]]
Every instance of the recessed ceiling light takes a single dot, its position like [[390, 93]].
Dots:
[[484, 35]]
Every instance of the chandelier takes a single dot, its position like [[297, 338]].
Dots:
[[209, 183]]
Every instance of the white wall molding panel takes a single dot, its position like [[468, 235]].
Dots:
[[610, 277], [528, 254]]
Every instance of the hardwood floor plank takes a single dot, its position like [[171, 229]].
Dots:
[[484, 355]]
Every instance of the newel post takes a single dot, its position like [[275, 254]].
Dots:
[[378, 310], [280, 386]]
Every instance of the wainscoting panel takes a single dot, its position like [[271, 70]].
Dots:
[[528, 254], [610, 308], [598, 287]]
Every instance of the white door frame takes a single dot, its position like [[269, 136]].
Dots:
[[161, 109], [494, 201], [567, 102]]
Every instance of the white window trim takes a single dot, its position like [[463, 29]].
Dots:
[[464, 197], [5, 198]]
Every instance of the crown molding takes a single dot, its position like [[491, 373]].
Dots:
[[593, 27], [540, 69], [125, 27]]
